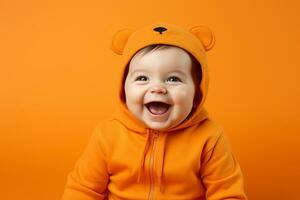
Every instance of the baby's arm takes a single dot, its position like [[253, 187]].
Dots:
[[221, 173], [88, 180]]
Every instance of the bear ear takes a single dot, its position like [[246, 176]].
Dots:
[[120, 39], [205, 35]]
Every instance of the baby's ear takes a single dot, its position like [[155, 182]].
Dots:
[[120, 39], [205, 35]]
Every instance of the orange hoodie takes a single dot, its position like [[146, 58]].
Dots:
[[124, 159]]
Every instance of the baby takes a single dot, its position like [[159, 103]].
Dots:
[[160, 143]]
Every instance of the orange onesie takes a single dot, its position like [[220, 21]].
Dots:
[[126, 160]]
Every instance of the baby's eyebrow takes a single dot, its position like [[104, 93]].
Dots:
[[178, 71], [136, 71], [145, 71]]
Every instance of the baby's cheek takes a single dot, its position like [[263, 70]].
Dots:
[[134, 95], [183, 96]]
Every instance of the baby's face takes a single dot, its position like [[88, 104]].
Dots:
[[159, 87]]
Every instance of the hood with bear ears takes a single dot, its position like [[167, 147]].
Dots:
[[196, 40], [127, 41]]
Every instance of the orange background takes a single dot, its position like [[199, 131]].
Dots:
[[55, 88]]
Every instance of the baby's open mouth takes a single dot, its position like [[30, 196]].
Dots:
[[157, 108]]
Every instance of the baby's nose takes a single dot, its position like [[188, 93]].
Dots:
[[158, 89]]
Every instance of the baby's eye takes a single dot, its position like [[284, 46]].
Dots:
[[173, 79], [141, 78]]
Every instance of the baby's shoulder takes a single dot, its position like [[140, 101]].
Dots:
[[109, 127], [208, 131], [210, 127]]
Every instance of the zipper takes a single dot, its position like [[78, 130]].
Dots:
[[151, 163]]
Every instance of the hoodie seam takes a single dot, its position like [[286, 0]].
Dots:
[[215, 143], [99, 147]]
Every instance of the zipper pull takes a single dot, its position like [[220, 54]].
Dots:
[[155, 134]]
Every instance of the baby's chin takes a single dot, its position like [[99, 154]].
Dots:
[[158, 126], [161, 126]]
